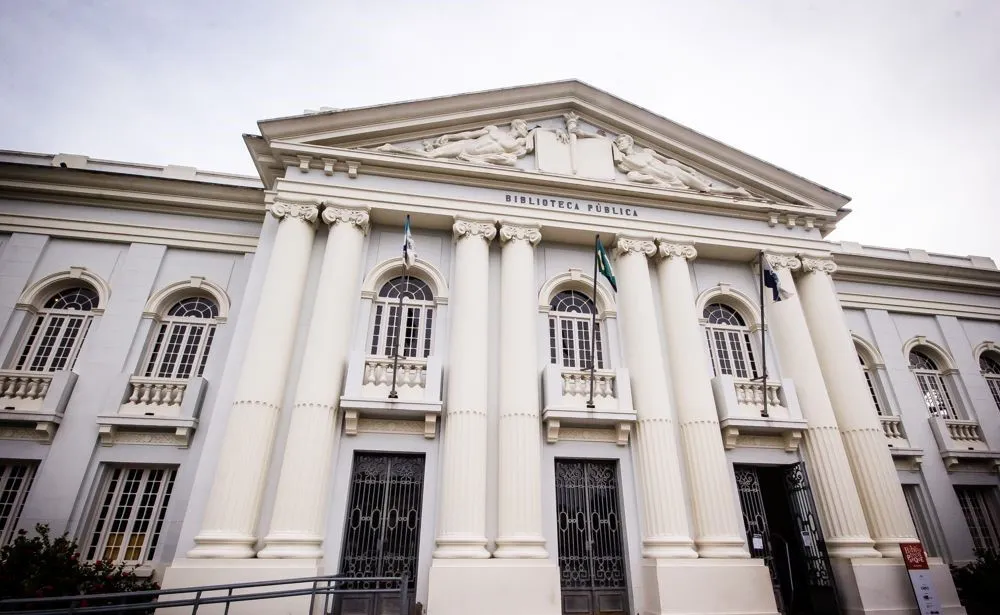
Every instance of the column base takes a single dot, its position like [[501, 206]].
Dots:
[[223, 545], [493, 587], [716, 587], [723, 548], [848, 548], [291, 545], [461, 547], [521, 547], [194, 573], [668, 548], [882, 586]]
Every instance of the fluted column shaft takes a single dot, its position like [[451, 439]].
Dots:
[[717, 519], [870, 459], [840, 511], [462, 523], [299, 507], [520, 508], [666, 533], [230, 523]]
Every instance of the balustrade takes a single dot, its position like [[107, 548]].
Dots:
[[32, 403], [23, 386], [962, 441], [758, 413], [566, 392]]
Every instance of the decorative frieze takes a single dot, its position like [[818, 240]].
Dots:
[[677, 250], [819, 265], [509, 232], [471, 228], [637, 245], [358, 217], [305, 211]]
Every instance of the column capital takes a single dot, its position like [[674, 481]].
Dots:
[[638, 245], [669, 249], [344, 215], [303, 210], [819, 265], [525, 232], [783, 261], [465, 227]]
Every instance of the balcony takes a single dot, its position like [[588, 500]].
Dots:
[[899, 444], [961, 441], [757, 413], [32, 403], [153, 411], [565, 392], [368, 407]]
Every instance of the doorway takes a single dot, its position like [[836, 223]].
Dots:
[[783, 529], [592, 567]]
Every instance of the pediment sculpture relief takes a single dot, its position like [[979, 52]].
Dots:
[[488, 145], [644, 166]]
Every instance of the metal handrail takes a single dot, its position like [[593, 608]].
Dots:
[[325, 586]]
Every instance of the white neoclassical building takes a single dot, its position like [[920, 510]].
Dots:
[[219, 379]]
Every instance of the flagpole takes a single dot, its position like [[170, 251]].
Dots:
[[399, 316], [763, 331], [593, 327]]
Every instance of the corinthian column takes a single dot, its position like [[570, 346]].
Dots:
[[462, 524], [871, 462], [229, 528], [717, 518], [299, 506], [520, 518], [837, 498], [666, 526]]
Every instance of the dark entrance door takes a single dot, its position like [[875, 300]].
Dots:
[[591, 538], [783, 529], [382, 532]]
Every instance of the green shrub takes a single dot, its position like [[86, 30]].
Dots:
[[978, 583], [40, 567]]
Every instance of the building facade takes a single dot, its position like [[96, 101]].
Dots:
[[220, 379]]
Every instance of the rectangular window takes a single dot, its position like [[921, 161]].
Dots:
[[936, 395], [129, 513], [569, 357], [918, 512], [15, 482], [376, 329], [979, 505], [873, 391], [994, 384]]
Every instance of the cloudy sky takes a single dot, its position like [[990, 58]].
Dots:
[[893, 102]]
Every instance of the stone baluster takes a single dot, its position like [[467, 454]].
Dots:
[[462, 521], [229, 527], [860, 428], [717, 518], [666, 534], [299, 506], [840, 510], [520, 510]]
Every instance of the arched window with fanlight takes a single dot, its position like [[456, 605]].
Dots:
[[989, 366], [54, 339], [570, 315], [181, 344], [729, 346], [417, 319], [933, 386]]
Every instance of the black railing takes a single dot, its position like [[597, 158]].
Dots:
[[327, 588]]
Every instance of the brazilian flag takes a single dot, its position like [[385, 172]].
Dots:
[[604, 263]]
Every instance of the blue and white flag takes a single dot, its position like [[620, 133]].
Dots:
[[771, 281], [409, 250]]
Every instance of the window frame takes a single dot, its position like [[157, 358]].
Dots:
[[933, 382], [188, 360], [13, 497], [573, 351], [420, 320], [984, 526], [49, 329], [991, 374], [744, 346]]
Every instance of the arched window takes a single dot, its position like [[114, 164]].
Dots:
[[932, 385], [182, 343], [418, 319], [728, 340], [570, 315], [989, 365], [880, 407], [54, 339]]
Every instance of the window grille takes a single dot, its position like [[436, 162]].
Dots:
[[129, 514], [729, 345], [918, 512], [417, 319], [183, 340], [990, 369], [979, 505], [55, 337], [880, 408], [15, 482], [570, 316], [937, 397]]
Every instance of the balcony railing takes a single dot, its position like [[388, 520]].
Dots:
[[898, 443], [32, 403], [156, 395], [154, 411], [760, 412], [367, 404], [961, 441], [566, 391]]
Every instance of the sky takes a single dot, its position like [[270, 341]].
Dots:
[[895, 103]]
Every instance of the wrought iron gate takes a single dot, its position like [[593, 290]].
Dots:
[[591, 538], [382, 531], [755, 523], [819, 575]]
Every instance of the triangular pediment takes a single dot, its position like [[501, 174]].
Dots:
[[563, 129]]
